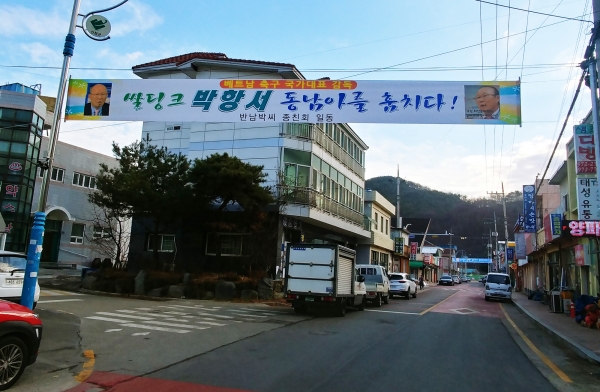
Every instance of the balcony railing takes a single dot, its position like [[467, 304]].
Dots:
[[314, 199], [316, 134]]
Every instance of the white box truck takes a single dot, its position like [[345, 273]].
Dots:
[[323, 276]]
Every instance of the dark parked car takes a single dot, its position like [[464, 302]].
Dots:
[[446, 280], [20, 337]]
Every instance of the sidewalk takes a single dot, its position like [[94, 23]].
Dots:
[[583, 341]]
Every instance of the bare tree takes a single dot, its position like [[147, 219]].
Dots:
[[110, 235]]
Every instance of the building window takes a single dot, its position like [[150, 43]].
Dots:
[[101, 232], [231, 244], [58, 174], [77, 231], [387, 223], [166, 242], [382, 224], [376, 220], [84, 180], [374, 257]]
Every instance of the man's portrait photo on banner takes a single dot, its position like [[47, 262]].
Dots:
[[98, 100], [482, 102]]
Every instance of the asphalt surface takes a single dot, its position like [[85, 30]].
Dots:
[[447, 339]]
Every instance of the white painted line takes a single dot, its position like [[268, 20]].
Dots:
[[140, 334], [142, 313], [177, 313], [124, 315], [59, 300], [389, 311], [177, 320], [210, 323], [214, 315], [188, 307], [113, 330], [176, 325], [144, 309], [107, 319], [155, 328], [246, 314]]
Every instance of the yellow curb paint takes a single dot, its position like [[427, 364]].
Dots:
[[544, 358], [439, 303], [88, 366]]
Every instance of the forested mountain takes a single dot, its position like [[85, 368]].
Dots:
[[465, 218]]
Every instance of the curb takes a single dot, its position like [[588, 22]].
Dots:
[[562, 339]]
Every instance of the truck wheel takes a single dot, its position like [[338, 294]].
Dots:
[[378, 301], [363, 302], [386, 299], [341, 308], [408, 294]]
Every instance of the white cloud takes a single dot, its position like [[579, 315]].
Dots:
[[42, 54], [19, 20], [140, 17]]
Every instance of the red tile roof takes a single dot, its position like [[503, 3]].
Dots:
[[177, 60]]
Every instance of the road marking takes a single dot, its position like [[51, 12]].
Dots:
[[544, 358], [124, 315], [155, 328], [427, 310], [210, 323], [113, 330], [388, 311], [88, 366], [143, 314], [177, 307], [59, 300], [246, 314], [175, 325], [108, 319], [140, 334], [214, 315]]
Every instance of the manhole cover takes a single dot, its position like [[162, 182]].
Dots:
[[464, 311]]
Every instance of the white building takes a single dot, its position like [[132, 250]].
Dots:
[[325, 163]]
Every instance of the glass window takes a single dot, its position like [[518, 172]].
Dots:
[[57, 174], [24, 116], [325, 168], [376, 220], [77, 231], [101, 232], [296, 156], [84, 180], [18, 148], [303, 176], [166, 242], [7, 114], [4, 147], [316, 162], [21, 136], [387, 222], [5, 134], [382, 223], [290, 174], [231, 244], [9, 263], [334, 174]]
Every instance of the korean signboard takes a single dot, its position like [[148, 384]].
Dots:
[[510, 254], [520, 245], [295, 101], [529, 224], [399, 245], [585, 152], [427, 258], [579, 254], [555, 221], [580, 228], [413, 250], [588, 198]]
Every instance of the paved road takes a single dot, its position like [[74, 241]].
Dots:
[[447, 339]]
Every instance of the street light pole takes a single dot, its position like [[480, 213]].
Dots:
[[36, 240]]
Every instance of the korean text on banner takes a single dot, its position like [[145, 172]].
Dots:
[[585, 151], [295, 101], [530, 223], [588, 198]]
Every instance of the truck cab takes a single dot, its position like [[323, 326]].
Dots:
[[377, 283]]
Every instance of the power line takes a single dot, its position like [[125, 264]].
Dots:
[[532, 12]]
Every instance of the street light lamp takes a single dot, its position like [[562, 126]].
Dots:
[[99, 28]]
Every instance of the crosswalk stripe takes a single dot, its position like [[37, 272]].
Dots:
[[246, 314], [114, 320], [124, 315], [210, 323], [155, 328], [214, 315], [175, 325], [145, 314]]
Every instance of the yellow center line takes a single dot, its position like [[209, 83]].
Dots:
[[439, 303], [88, 366], [544, 358]]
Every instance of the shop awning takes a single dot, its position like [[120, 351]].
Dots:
[[416, 264]]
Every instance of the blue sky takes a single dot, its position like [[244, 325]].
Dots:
[[339, 39]]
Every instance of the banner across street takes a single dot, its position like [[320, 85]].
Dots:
[[294, 101]]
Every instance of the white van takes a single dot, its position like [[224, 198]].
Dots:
[[498, 286]]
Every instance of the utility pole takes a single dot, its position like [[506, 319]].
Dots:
[[398, 217], [450, 249], [505, 264]]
